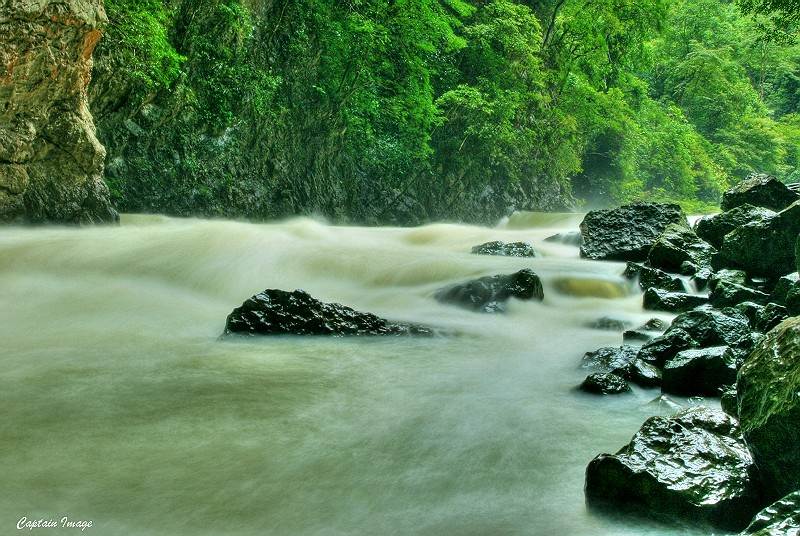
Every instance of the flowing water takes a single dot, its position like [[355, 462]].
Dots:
[[122, 408]]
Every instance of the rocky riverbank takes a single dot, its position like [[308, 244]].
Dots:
[[732, 281]]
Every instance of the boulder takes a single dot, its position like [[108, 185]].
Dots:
[[738, 277], [605, 383], [700, 329], [627, 233], [781, 518], [759, 190], [648, 277], [675, 302], [693, 466], [714, 227], [677, 246], [769, 407], [609, 358], [772, 315], [278, 312], [793, 300], [51, 163], [782, 288], [513, 249], [489, 294], [643, 373], [699, 372], [650, 330], [728, 294], [766, 247]]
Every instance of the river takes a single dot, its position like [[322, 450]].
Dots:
[[122, 408]]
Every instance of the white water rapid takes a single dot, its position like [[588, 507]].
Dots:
[[121, 407]]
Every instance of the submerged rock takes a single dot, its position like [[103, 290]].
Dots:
[[627, 233], [692, 466], [489, 294], [278, 312], [781, 518], [759, 190], [769, 407], [513, 249], [571, 238]]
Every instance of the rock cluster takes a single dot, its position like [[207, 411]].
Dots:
[[51, 163], [733, 281]]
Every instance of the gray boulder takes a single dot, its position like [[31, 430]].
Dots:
[[489, 294], [769, 408], [693, 466], [766, 247], [759, 190], [627, 233]]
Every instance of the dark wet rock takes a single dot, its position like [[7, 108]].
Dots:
[[571, 238], [489, 294], [635, 335], [627, 233], [605, 383], [649, 277], [729, 402], [728, 294], [700, 329], [759, 190], [782, 288], [781, 518], [279, 312], [655, 324], [702, 276], [751, 310], [674, 302], [643, 373], [713, 228], [609, 358], [699, 371], [766, 247], [793, 300], [772, 315], [512, 249], [646, 332], [692, 466], [738, 277], [609, 323], [769, 408], [679, 249]]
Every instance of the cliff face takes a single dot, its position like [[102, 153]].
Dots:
[[51, 163]]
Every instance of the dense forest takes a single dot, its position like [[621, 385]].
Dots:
[[402, 111]]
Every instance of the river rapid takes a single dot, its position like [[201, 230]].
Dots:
[[121, 408]]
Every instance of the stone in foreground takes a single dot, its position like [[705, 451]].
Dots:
[[769, 407], [279, 312], [693, 466], [627, 233], [489, 294], [781, 518]]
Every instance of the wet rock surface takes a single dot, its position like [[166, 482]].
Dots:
[[489, 294], [605, 383], [512, 249], [781, 518], [760, 190], [692, 466], [769, 407], [627, 233], [279, 312], [656, 299]]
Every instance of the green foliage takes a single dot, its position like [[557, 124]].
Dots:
[[138, 30]]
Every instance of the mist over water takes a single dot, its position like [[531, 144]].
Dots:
[[121, 406]]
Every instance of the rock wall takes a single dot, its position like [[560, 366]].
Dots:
[[51, 163]]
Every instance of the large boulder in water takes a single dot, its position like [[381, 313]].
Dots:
[[655, 299], [648, 277], [759, 190], [678, 245], [511, 249], [766, 247], [627, 233], [713, 228], [769, 406], [278, 312], [782, 518], [692, 466], [489, 294], [700, 371]]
